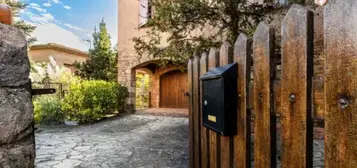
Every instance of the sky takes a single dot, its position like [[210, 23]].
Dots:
[[70, 22]]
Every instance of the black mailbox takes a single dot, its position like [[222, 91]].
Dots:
[[219, 99]]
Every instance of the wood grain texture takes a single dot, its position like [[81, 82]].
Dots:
[[242, 56], [190, 111], [265, 121], [204, 130], [226, 57], [196, 110], [214, 153], [173, 86], [340, 25], [296, 88]]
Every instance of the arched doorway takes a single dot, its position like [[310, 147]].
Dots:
[[173, 86]]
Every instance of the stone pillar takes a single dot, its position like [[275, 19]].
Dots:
[[127, 60], [17, 143]]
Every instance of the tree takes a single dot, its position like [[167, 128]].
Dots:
[[27, 29], [178, 21], [102, 61]]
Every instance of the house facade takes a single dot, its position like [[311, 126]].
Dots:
[[64, 56], [133, 15], [168, 84]]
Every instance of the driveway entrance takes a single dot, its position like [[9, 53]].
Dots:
[[135, 141]]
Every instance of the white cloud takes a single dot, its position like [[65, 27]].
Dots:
[[34, 5], [67, 7], [43, 18], [52, 33], [48, 16], [47, 4], [50, 30], [37, 7], [74, 27], [55, 1], [39, 18]]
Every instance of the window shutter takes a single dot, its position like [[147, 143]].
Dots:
[[143, 12]]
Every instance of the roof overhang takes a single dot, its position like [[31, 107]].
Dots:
[[59, 47]]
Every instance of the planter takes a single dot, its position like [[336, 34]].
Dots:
[[5, 14], [71, 123]]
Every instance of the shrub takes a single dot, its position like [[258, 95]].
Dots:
[[48, 110], [91, 101], [142, 91]]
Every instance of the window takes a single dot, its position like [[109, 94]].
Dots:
[[144, 12]]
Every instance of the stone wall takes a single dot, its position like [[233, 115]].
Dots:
[[128, 59], [17, 145]]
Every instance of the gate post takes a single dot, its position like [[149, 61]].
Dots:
[[17, 143]]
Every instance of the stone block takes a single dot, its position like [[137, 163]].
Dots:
[[18, 156], [16, 115], [14, 62]]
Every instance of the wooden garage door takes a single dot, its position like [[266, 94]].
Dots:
[[173, 86]]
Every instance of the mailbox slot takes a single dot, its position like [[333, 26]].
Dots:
[[219, 99]]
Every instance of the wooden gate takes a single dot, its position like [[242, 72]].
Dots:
[[173, 86], [294, 93]]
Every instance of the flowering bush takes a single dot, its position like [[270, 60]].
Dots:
[[51, 72]]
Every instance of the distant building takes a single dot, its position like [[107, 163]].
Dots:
[[64, 56]]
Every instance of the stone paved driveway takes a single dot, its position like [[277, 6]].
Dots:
[[136, 141]]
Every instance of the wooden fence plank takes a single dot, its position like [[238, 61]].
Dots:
[[204, 130], [265, 121], [226, 57], [296, 88], [190, 100], [242, 55], [214, 152], [340, 25], [196, 111]]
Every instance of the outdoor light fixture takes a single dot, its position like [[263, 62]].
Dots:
[[5, 14]]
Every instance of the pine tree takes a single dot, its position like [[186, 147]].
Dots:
[[102, 61], [26, 28]]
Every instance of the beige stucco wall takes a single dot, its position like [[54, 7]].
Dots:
[[128, 21], [62, 58]]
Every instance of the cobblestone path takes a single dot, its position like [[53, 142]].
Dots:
[[136, 141]]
